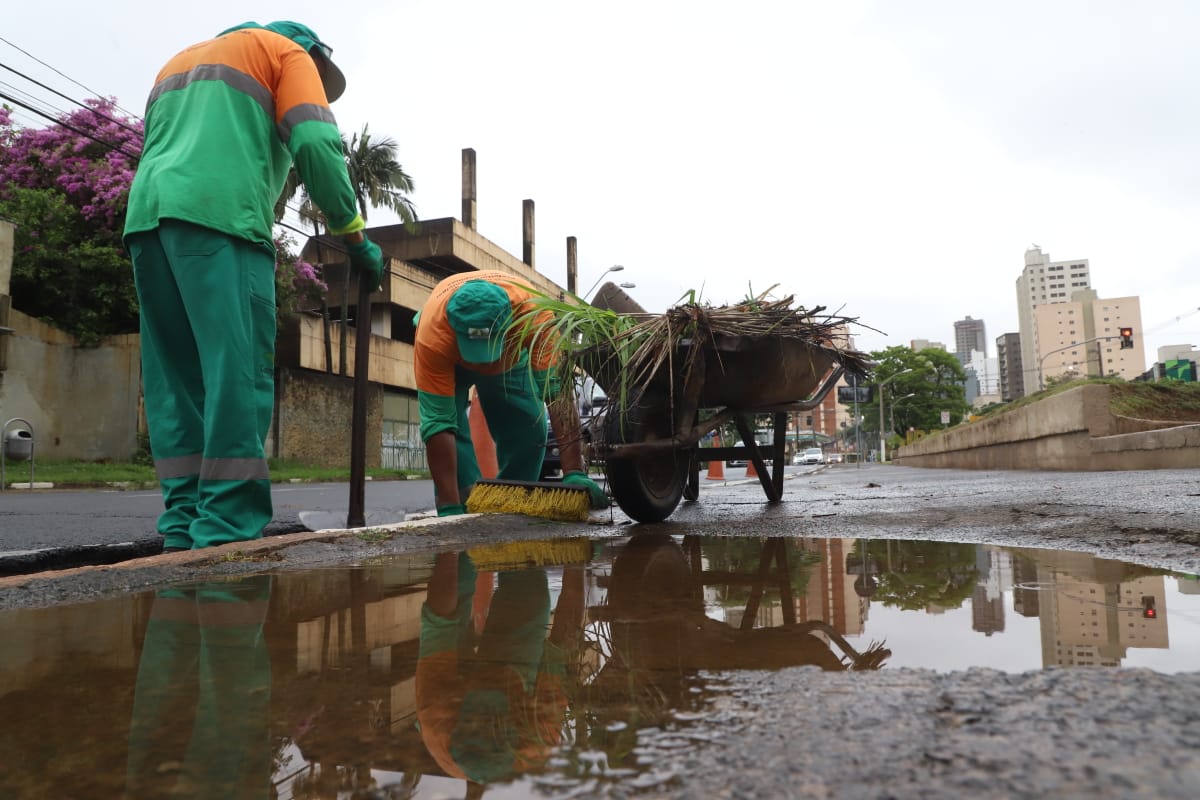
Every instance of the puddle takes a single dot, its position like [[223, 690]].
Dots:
[[558, 668]]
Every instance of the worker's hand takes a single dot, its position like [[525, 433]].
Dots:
[[367, 258], [598, 497], [451, 511]]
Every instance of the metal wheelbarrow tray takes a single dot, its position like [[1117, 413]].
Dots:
[[649, 437]]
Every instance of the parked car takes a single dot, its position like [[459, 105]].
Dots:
[[813, 455], [736, 462], [741, 462]]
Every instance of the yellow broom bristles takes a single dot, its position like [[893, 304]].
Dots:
[[514, 555], [568, 504]]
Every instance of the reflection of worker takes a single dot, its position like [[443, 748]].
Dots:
[[203, 695], [491, 703], [468, 334], [225, 121]]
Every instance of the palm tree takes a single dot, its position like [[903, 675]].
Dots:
[[377, 176], [378, 180]]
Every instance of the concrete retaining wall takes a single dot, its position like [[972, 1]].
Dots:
[[1074, 430], [81, 401]]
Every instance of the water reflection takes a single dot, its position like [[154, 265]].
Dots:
[[555, 663], [200, 707], [491, 685]]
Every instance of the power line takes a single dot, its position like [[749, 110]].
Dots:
[[68, 77], [72, 100]]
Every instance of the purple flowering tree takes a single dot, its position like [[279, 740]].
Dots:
[[65, 187], [298, 284]]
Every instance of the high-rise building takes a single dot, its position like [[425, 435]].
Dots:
[[1086, 317], [1043, 282], [1008, 357], [969, 335]]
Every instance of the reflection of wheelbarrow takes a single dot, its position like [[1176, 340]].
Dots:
[[650, 436], [658, 621]]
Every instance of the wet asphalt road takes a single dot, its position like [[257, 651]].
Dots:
[[57, 528], [905, 733]]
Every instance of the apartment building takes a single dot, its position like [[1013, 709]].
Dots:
[[969, 335], [1009, 364], [1043, 282], [1064, 331]]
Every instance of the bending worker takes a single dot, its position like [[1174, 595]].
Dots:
[[468, 334], [225, 121]]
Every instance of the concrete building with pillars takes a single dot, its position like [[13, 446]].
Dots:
[[315, 355]]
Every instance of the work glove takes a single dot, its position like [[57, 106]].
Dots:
[[451, 511], [595, 493], [367, 258]]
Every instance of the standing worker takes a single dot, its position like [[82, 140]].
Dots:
[[224, 123], [469, 333]]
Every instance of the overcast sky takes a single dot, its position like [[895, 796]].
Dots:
[[890, 160]]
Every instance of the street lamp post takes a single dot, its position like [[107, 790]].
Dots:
[[892, 411], [882, 437], [613, 268]]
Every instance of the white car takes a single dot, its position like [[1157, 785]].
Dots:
[[813, 455]]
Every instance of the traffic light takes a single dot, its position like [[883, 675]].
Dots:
[[1148, 609], [1126, 338]]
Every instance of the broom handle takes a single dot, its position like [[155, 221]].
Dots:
[[356, 517]]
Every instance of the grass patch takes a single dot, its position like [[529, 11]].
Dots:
[[1162, 400], [1167, 400], [374, 535], [89, 474]]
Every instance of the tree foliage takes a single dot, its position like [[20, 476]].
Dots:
[[65, 187], [922, 574], [933, 383]]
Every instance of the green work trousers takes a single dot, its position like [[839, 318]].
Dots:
[[208, 358], [516, 419]]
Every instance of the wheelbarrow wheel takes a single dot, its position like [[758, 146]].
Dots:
[[647, 487]]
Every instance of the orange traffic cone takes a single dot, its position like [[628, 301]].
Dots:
[[716, 470], [751, 472], [481, 438]]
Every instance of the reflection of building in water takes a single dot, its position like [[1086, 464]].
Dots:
[[1093, 610], [987, 602], [829, 594], [1025, 588]]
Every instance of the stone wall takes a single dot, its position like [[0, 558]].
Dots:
[[313, 419]]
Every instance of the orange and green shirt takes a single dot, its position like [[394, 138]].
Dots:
[[225, 121], [435, 350]]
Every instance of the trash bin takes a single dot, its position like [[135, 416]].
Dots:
[[18, 445]]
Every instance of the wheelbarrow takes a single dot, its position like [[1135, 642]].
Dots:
[[649, 436]]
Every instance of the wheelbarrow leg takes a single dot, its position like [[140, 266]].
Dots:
[[692, 490], [764, 475], [779, 453]]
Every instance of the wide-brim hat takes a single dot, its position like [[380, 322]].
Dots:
[[480, 313]]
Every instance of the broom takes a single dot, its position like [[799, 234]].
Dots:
[[544, 499]]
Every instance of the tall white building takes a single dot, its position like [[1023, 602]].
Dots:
[[1041, 283]]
